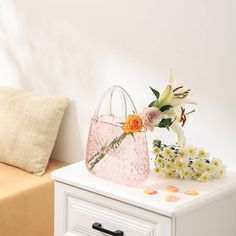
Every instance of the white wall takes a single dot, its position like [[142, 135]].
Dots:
[[80, 47]]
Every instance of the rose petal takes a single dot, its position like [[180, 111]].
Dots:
[[191, 192], [150, 191], [172, 188], [172, 198]]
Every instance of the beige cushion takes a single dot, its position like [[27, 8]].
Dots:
[[29, 124]]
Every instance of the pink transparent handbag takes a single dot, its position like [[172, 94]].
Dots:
[[112, 155]]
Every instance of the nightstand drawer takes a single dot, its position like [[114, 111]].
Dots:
[[79, 211], [81, 215]]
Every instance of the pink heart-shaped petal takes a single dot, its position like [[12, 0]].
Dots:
[[172, 198], [150, 191], [172, 189], [191, 192]]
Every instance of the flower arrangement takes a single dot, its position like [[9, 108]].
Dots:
[[177, 161], [166, 111], [185, 162]]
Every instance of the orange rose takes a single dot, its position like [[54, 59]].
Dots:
[[133, 124]]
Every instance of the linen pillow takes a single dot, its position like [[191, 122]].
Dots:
[[29, 124]]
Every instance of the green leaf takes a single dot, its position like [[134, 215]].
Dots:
[[173, 120], [165, 123], [165, 108], [151, 104], [156, 93], [122, 123], [132, 134], [156, 143]]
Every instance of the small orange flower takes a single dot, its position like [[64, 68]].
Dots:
[[133, 124]]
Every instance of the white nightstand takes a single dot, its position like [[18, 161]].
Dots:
[[84, 202]]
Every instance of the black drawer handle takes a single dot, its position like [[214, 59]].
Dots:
[[98, 227]]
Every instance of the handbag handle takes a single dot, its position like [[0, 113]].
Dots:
[[125, 97]]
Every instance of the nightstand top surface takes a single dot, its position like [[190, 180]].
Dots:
[[78, 176]]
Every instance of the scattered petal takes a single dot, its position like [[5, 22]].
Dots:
[[172, 188], [172, 198], [150, 191], [191, 192]]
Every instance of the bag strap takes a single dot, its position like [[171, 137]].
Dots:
[[123, 102], [125, 97]]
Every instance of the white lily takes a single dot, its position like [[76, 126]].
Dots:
[[174, 97], [175, 127]]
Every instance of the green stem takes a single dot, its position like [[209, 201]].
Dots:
[[190, 112], [96, 158]]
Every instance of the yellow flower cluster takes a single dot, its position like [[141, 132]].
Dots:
[[186, 163]]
